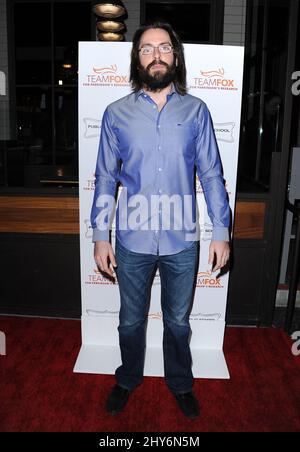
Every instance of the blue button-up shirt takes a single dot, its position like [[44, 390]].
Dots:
[[153, 154]]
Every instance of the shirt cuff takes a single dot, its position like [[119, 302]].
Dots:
[[220, 234], [100, 235]]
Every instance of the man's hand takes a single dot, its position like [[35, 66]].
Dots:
[[104, 257], [222, 251]]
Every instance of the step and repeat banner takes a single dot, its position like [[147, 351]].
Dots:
[[215, 75]]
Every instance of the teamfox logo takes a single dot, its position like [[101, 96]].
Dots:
[[106, 70], [209, 74]]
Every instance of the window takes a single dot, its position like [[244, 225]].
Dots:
[[195, 21], [45, 46], [266, 54]]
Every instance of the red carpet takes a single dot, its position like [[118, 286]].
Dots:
[[40, 392]]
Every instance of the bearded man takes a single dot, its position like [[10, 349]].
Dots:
[[151, 142]]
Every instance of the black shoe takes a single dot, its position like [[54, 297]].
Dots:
[[117, 400], [188, 404]]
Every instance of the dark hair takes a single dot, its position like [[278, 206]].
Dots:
[[180, 72]]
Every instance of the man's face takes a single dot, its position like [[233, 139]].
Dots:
[[157, 70]]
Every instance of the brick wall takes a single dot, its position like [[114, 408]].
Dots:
[[234, 22], [234, 32], [4, 99], [133, 21]]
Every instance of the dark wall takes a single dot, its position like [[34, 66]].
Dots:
[[40, 275]]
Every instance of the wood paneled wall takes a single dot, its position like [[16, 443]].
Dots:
[[249, 220], [55, 215], [60, 215]]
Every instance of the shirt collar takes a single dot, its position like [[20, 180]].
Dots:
[[141, 91]]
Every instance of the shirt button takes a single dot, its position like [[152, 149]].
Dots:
[[158, 126], [160, 170], [154, 107], [159, 147], [160, 192], [156, 232]]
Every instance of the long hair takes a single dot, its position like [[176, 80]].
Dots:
[[180, 72]]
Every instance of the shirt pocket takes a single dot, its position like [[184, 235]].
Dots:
[[180, 137]]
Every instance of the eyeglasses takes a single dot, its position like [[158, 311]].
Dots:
[[149, 50]]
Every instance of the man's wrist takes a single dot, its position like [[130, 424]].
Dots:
[[220, 234], [100, 236]]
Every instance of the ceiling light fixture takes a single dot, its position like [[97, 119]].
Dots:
[[110, 36], [110, 25], [109, 9]]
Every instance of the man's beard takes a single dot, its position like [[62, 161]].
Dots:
[[159, 80]]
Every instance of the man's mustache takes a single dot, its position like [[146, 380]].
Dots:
[[157, 62]]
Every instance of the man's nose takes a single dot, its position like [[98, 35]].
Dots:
[[156, 52]]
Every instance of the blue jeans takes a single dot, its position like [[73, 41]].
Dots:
[[135, 273]]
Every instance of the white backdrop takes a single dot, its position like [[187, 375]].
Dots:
[[215, 75]]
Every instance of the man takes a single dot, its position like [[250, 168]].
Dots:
[[151, 141]]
